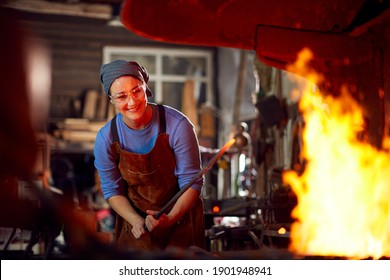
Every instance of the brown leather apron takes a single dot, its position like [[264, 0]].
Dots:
[[151, 184]]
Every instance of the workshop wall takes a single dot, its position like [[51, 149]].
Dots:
[[76, 45]]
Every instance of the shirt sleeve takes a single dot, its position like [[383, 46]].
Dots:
[[105, 163], [186, 149]]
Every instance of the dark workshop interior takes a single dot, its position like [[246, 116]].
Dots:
[[305, 84]]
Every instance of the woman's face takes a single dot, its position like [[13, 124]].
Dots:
[[133, 106]]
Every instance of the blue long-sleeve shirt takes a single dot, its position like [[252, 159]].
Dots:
[[182, 140]]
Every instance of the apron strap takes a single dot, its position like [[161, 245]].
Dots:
[[163, 125], [114, 130], [115, 138]]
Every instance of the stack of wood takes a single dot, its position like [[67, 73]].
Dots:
[[84, 130], [78, 130]]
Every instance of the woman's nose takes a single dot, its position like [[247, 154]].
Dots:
[[130, 99]]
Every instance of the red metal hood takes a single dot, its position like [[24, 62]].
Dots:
[[276, 29], [349, 38]]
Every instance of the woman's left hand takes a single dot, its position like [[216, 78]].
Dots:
[[151, 223]]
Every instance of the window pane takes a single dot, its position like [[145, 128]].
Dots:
[[147, 61], [175, 65], [172, 94]]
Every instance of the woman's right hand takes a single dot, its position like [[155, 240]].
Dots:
[[138, 228], [122, 206]]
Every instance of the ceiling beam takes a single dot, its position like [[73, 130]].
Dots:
[[102, 11]]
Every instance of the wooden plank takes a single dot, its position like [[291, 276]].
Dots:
[[75, 9], [90, 104], [189, 104]]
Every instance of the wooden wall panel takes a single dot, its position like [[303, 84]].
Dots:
[[76, 45]]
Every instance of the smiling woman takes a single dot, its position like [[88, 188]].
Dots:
[[136, 114], [144, 156], [121, 77]]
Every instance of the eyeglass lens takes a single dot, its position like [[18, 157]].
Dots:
[[136, 92]]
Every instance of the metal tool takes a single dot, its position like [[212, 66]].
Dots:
[[239, 142], [196, 177]]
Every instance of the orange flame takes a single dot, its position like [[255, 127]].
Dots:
[[344, 192]]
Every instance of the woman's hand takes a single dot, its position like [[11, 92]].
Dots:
[[138, 228], [151, 223]]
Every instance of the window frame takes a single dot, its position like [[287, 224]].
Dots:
[[159, 78]]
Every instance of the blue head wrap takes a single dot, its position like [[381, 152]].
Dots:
[[111, 71]]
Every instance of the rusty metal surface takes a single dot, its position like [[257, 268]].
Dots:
[[233, 23]]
